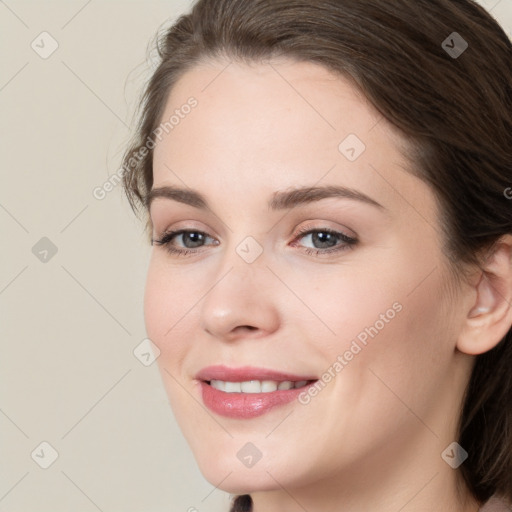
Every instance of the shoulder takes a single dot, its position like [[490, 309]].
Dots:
[[496, 504]]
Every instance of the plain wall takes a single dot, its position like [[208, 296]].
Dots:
[[70, 323]]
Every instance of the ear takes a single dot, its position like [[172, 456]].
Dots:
[[490, 316]]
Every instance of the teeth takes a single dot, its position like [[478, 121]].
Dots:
[[232, 387], [268, 386], [252, 386], [255, 386]]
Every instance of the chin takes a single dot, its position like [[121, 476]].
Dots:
[[244, 480]]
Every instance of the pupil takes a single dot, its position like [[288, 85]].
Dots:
[[196, 238], [322, 237]]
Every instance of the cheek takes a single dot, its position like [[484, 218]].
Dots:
[[352, 304], [156, 303], [393, 320], [409, 348], [165, 307]]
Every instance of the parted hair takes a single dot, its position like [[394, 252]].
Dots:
[[452, 103]]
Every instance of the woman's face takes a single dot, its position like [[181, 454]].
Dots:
[[351, 286]]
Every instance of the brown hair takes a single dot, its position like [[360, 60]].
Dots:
[[454, 109]]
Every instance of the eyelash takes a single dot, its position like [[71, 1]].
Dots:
[[348, 242]]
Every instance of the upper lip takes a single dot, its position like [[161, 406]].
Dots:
[[246, 373]]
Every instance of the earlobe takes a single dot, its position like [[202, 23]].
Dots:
[[490, 317]]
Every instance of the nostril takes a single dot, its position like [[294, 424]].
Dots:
[[248, 327]]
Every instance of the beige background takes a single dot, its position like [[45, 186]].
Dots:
[[69, 325]]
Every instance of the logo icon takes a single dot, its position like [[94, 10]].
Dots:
[[454, 45], [44, 45], [249, 455], [146, 352], [454, 455], [44, 250], [44, 455], [249, 249], [352, 147]]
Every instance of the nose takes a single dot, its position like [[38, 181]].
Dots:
[[242, 300]]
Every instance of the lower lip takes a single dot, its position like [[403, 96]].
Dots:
[[247, 405]]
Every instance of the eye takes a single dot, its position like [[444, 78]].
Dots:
[[191, 240], [325, 240]]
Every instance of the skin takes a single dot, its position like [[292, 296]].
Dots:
[[372, 438]]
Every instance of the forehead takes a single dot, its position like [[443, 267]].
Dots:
[[272, 123], [259, 100]]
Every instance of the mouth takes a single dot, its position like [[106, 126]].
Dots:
[[247, 392], [247, 399]]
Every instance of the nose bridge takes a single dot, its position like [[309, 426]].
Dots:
[[238, 295], [243, 263]]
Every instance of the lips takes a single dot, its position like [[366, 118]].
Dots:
[[246, 405], [246, 373]]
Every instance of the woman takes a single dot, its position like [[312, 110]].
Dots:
[[327, 190]]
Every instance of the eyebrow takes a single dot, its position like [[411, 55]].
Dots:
[[280, 200]]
